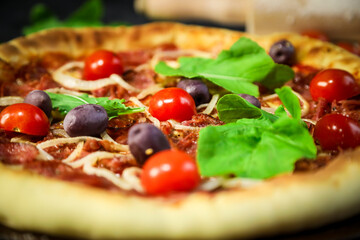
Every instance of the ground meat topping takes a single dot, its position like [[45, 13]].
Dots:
[[17, 153]]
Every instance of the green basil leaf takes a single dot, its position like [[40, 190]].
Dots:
[[235, 70], [290, 101], [64, 103], [232, 107], [253, 148]]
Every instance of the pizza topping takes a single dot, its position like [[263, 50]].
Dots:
[[24, 118], [62, 76], [197, 89], [211, 106], [351, 47], [235, 70], [251, 99], [241, 151], [333, 84], [169, 170], [172, 103], [334, 131], [9, 100], [283, 52], [315, 34], [101, 64], [64, 103], [86, 120], [244, 146], [145, 140], [40, 99], [17, 153]]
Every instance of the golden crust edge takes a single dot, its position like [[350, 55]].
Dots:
[[283, 204]]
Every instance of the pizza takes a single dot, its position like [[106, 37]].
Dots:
[[167, 130]]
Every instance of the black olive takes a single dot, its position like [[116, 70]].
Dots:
[[145, 140], [40, 99], [86, 120], [197, 89], [251, 99], [283, 52]]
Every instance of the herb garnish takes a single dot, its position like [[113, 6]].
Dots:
[[64, 103], [235, 70], [257, 144]]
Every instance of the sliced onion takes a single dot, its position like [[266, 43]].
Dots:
[[211, 104], [74, 83], [155, 121]]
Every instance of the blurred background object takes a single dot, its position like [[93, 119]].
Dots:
[[15, 14], [226, 12], [338, 19]]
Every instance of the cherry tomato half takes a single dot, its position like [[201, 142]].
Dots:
[[172, 103], [333, 84], [169, 170], [334, 131], [101, 64], [316, 35], [24, 118]]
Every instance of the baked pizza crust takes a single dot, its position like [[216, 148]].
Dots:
[[286, 203]]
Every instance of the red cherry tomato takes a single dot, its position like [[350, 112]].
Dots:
[[334, 131], [315, 34], [333, 84], [101, 64], [169, 170], [172, 103], [351, 47], [24, 118]]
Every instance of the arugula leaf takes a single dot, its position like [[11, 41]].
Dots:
[[64, 103], [235, 69], [254, 143], [232, 107], [290, 101], [253, 148]]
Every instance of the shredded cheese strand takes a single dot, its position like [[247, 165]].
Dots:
[[155, 121], [178, 126], [149, 91], [57, 141], [119, 80], [131, 176], [43, 155], [92, 158], [211, 104], [241, 183], [68, 81], [76, 83], [64, 91], [74, 153], [119, 147], [6, 101], [109, 175]]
